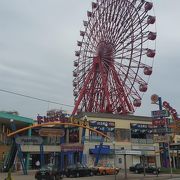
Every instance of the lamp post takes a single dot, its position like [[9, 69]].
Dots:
[[114, 150]]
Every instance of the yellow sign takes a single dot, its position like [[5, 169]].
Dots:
[[158, 139], [51, 132], [154, 98], [72, 147]]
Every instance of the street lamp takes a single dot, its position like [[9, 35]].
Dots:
[[114, 150]]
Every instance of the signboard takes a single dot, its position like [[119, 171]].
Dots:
[[159, 113], [160, 122], [162, 130], [159, 139], [51, 132], [103, 146], [175, 146], [144, 148], [72, 147], [127, 152], [154, 98], [26, 140], [140, 129], [171, 110], [104, 126], [54, 116], [101, 123]]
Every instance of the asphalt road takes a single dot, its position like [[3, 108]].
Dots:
[[120, 176]]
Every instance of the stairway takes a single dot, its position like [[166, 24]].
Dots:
[[4, 149], [9, 159]]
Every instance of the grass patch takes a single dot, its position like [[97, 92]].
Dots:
[[168, 170]]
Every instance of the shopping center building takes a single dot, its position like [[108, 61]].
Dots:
[[68, 144]]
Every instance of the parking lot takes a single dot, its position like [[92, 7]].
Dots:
[[132, 176]]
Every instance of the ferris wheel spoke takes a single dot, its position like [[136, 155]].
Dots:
[[133, 60], [122, 16], [116, 27], [131, 36], [137, 22], [122, 19], [130, 78], [125, 46], [110, 16], [103, 18], [96, 23]]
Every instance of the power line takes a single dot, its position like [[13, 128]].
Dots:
[[31, 97]]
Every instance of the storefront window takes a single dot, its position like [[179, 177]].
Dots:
[[105, 127], [3, 135], [142, 133], [74, 135]]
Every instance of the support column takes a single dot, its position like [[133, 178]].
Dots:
[[125, 167], [42, 155], [28, 154]]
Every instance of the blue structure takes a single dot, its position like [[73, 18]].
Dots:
[[164, 154], [10, 121], [19, 151]]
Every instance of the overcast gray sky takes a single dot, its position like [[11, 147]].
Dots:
[[37, 44]]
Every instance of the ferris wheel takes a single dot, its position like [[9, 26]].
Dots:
[[115, 56]]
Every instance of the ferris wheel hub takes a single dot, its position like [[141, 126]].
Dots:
[[105, 51]]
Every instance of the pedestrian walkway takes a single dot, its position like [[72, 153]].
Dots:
[[130, 176], [149, 177]]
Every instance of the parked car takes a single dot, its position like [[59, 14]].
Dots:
[[108, 169], [77, 170], [138, 168], [95, 170], [49, 172], [132, 168]]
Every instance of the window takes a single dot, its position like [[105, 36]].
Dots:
[[122, 135], [105, 127], [142, 133], [74, 135]]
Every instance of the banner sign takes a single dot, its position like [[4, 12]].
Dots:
[[103, 146], [26, 140], [103, 126], [54, 115], [143, 148], [162, 130], [128, 152], [160, 122], [45, 119], [160, 113], [141, 128], [101, 123], [72, 147], [51, 132], [159, 139]]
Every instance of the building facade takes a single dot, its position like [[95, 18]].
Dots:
[[72, 144], [132, 133]]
